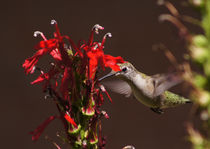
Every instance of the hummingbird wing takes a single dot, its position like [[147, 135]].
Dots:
[[163, 82], [120, 87]]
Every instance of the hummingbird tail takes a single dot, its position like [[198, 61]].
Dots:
[[173, 100]]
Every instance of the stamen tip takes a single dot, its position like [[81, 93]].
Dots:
[[33, 69], [108, 34], [105, 114], [36, 33], [102, 88], [53, 22], [97, 27]]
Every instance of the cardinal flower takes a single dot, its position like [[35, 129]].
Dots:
[[72, 84], [46, 78], [112, 62], [96, 54], [38, 131]]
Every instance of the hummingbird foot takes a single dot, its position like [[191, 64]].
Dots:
[[157, 110], [188, 102]]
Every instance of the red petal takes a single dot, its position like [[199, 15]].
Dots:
[[29, 64], [95, 57], [38, 131], [93, 63], [65, 83], [112, 62], [117, 59], [32, 61], [40, 79], [90, 41], [114, 67], [74, 45], [47, 77], [70, 120], [50, 44], [104, 90], [108, 95], [56, 54]]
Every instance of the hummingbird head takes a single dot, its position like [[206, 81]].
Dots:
[[127, 71]]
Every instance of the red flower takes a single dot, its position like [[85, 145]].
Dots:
[[46, 77], [69, 119], [38, 131], [44, 47], [112, 62], [29, 63], [96, 54], [75, 72], [49, 44], [56, 54], [53, 46]]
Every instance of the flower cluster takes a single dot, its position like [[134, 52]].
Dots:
[[72, 83]]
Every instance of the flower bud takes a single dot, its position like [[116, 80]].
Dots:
[[74, 130]]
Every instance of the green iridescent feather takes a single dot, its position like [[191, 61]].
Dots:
[[171, 99]]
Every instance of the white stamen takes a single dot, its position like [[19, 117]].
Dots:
[[36, 33], [105, 114], [52, 64], [97, 27], [53, 22], [42, 72], [33, 69], [67, 113], [47, 97], [96, 46], [102, 88], [108, 34]]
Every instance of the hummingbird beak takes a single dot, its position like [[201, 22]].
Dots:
[[112, 73]]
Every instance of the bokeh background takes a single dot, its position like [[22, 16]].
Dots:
[[135, 28]]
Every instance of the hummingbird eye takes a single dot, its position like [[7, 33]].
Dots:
[[124, 69]]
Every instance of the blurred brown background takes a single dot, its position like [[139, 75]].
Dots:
[[135, 28]]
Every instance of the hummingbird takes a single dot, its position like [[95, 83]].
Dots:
[[152, 91]]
